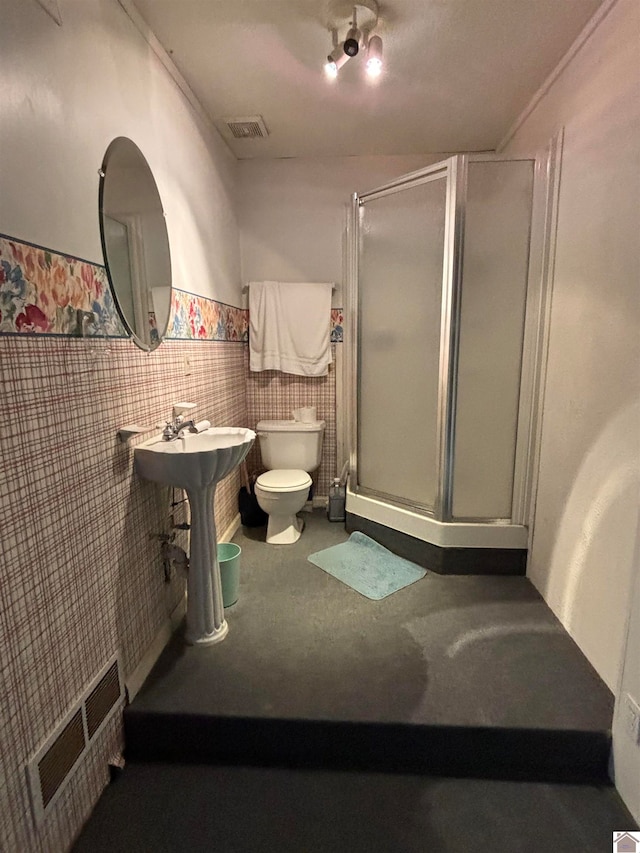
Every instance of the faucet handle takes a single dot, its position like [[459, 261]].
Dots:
[[168, 431]]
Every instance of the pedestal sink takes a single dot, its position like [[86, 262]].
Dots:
[[197, 463]]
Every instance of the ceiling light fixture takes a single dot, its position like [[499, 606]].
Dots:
[[358, 36]]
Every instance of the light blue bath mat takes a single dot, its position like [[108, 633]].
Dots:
[[367, 567]]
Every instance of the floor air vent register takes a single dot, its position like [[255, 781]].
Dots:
[[54, 763]]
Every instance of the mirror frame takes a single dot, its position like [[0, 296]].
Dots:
[[127, 322]]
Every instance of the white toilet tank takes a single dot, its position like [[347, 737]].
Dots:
[[290, 444]]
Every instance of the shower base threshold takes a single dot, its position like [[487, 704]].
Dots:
[[445, 560]]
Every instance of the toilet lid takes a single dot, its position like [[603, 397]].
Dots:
[[290, 426], [283, 480]]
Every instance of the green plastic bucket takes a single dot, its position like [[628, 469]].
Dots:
[[229, 562]]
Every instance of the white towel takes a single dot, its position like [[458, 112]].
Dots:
[[290, 327]]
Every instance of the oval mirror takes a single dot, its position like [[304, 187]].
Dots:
[[135, 242]]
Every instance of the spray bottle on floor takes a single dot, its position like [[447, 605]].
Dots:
[[337, 495]]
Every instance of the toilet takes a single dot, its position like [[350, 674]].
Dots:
[[290, 450]]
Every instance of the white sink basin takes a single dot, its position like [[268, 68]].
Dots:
[[197, 463], [195, 460]]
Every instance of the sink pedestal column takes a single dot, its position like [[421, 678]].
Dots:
[[205, 611]]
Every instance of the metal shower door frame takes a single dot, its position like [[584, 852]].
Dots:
[[454, 172]]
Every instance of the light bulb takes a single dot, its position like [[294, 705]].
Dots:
[[374, 67], [330, 68], [374, 57], [335, 61]]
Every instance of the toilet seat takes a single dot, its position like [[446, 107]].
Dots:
[[284, 480]]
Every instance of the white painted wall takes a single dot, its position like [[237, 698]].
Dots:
[[292, 213], [66, 93], [587, 502], [586, 508]]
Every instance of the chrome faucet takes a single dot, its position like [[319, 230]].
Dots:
[[174, 428]]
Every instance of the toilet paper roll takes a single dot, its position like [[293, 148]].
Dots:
[[308, 414], [202, 425]]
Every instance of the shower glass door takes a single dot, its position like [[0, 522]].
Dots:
[[401, 268]]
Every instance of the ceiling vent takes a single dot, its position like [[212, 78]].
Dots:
[[247, 127]]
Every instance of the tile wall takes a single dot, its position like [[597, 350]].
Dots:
[[81, 577]]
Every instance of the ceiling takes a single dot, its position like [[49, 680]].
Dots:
[[457, 72]]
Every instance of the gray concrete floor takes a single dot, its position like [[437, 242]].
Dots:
[[155, 808], [454, 650]]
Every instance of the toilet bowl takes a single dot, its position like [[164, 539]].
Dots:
[[290, 450], [282, 494]]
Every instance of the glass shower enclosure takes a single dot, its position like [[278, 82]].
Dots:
[[437, 296]]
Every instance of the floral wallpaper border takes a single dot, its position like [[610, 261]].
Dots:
[[46, 292], [199, 318], [337, 325], [43, 291]]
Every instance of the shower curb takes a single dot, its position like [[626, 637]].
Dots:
[[443, 561]]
